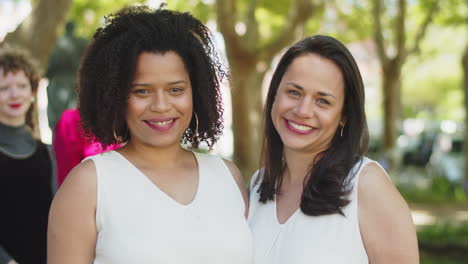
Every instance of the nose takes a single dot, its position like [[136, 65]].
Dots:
[[305, 108], [160, 102], [14, 91]]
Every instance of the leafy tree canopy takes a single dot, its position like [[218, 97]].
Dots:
[[89, 14], [432, 81]]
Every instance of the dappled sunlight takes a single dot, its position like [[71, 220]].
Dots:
[[421, 217]]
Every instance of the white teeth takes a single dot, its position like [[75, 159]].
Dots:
[[161, 123], [299, 127]]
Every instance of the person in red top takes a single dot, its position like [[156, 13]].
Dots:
[[70, 144]]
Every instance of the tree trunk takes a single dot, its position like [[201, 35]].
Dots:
[[391, 83], [38, 33], [391, 102], [392, 65], [465, 89], [247, 115], [244, 54]]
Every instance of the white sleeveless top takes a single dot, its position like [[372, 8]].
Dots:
[[304, 239], [139, 223]]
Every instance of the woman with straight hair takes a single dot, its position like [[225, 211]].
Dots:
[[318, 199]]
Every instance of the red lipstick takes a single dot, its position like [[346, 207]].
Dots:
[[15, 106], [297, 131]]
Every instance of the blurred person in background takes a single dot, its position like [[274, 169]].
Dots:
[[318, 198], [26, 185], [71, 145], [61, 72], [150, 81]]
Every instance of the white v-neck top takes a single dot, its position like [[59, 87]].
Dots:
[[304, 239], [138, 223]]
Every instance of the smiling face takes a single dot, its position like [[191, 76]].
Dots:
[[15, 97], [308, 106], [160, 105]]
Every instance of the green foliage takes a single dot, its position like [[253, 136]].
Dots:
[[444, 243], [268, 23], [313, 26], [440, 96], [445, 234], [417, 14], [440, 191], [432, 82], [277, 7], [347, 20], [270, 15], [203, 10], [453, 12], [428, 258], [89, 14]]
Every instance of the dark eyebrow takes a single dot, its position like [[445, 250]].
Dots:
[[297, 86], [140, 84], [326, 94], [177, 82], [147, 84]]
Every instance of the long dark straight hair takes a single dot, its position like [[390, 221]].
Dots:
[[327, 187]]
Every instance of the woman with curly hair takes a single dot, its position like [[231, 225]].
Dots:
[[150, 80], [27, 165], [318, 199]]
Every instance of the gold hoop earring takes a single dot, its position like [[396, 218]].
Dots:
[[116, 138], [125, 138], [341, 133], [120, 139]]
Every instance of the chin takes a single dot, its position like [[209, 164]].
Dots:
[[163, 143], [294, 145]]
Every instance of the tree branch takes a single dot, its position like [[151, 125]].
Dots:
[[299, 12], [38, 32], [378, 34], [400, 31], [226, 19], [423, 29], [251, 35]]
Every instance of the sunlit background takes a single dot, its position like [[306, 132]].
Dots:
[[426, 162]]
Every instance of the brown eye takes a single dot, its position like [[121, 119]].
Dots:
[[176, 90], [323, 101], [294, 93], [141, 92]]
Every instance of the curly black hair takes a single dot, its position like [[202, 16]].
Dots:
[[13, 59], [328, 184], [109, 64]]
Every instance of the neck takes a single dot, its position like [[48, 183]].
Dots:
[[11, 131], [165, 157], [16, 140], [13, 122], [298, 165]]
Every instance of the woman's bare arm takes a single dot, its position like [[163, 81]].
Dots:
[[385, 220], [72, 231]]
